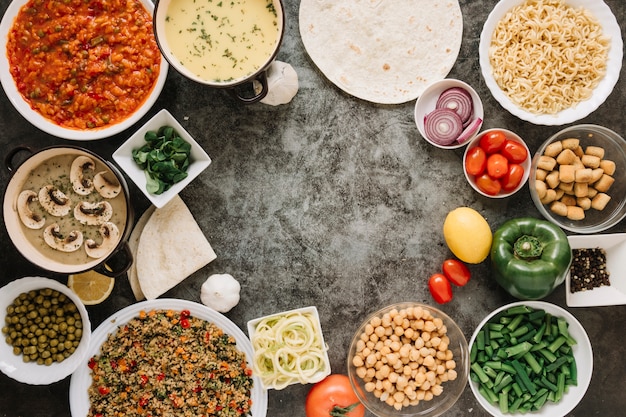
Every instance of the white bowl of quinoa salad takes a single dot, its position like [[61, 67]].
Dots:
[[200, 355]]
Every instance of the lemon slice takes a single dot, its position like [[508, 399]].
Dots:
[[91, 287]]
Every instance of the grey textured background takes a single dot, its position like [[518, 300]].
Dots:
[[334, 202]]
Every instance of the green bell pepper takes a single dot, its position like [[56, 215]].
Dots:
[[530, 257]]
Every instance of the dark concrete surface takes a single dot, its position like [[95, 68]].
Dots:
[[333, 202]]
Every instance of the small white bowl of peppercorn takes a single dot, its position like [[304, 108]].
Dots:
[[161, 158], [597, 264], [46, 330]]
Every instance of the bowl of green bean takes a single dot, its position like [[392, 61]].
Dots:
[[45, 330], [530, 357]]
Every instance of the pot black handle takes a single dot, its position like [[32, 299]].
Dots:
[[8, 158], [262, 79], [117, 263]]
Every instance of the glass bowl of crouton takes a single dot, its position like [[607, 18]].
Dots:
[[578, 178]]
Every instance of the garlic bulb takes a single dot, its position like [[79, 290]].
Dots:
[[220, 292], [282, 83]]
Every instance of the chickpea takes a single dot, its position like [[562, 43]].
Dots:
[[404, 357]]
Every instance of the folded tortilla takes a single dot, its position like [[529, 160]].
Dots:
[[171, 247], [133, 244]]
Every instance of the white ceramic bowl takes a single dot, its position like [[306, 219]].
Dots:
[[452, 389], [124, 158], [582, 353], [81, 379], [32, 373], [427, 100], [610, 27], [526, 164], [48, 125], [312, 312]]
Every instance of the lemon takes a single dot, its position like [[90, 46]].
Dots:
[[467, 234], [91, 287]]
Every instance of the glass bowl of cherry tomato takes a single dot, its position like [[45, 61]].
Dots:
[[408, 360], [497, 163]]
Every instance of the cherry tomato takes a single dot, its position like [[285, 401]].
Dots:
[[514, 151], [456, 271], [440, 288], [333, 394], [497, 165], [512, 178], [493, 141], [488, 185], [476, 161]]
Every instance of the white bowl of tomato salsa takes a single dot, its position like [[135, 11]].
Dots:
[[81, 78]]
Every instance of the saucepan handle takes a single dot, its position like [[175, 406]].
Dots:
[[261, 78], [117, 263], [8, 158]]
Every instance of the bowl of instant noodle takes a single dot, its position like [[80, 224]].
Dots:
[[521, 76], [408, 360]]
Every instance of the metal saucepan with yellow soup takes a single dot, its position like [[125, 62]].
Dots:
[[221, 44], [67, 210]]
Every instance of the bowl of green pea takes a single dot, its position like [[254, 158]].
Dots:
[[45, 330], [530, 357]]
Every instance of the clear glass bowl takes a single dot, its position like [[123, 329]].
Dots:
[[615, 149], [452, 389]]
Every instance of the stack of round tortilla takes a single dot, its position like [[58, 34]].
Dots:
[[382, 51]]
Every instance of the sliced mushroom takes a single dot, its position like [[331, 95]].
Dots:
[[80, 182], [110, 235], [30, 219], [54, 201], [105, 185], [93, 214], [54, 238]]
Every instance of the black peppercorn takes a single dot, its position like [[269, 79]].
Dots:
[[588, 269]]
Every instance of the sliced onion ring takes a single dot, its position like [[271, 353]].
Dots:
[[469, 130], [443, 126], [459, 100]]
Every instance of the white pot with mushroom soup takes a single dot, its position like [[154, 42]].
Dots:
[[67, 210]]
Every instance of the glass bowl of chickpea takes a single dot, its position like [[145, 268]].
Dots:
[[407, 360], [578, 179]]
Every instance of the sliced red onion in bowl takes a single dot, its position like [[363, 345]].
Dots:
[[443, 126], [459, 100], [470, 130]]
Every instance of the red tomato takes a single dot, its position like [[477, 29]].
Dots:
[[488, 185], [514, 151], [512, 178], [493, 141], [440, 288], [497, 166], [456, 271], [332, 394], [475, 161]]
